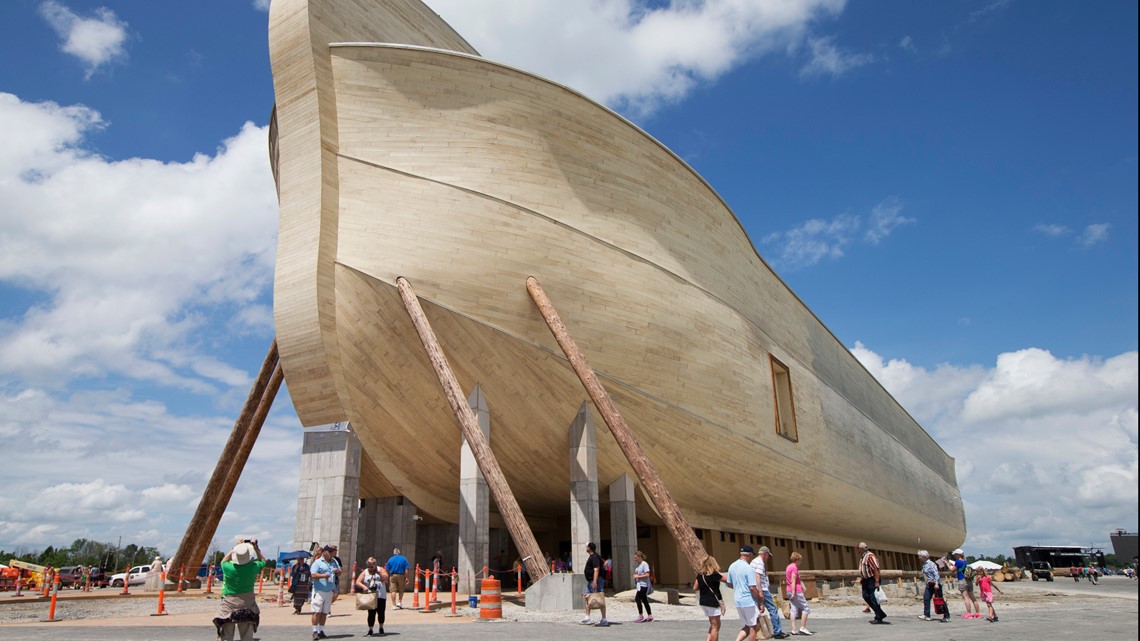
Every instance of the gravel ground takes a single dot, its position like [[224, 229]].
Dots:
[[101, 608]]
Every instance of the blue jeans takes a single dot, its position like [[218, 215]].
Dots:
[[773, 613], [926, 597], [869, 598]]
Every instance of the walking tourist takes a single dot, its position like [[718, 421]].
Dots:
[[595, 594], [869, 578], [397, 567], [325, 573], [965, 575], [746, 594], [641, 581], [930, 577], [374, 579], [300, 583], [760, 567], [239, 604], [707, 586], [798, 605], [986, 587]]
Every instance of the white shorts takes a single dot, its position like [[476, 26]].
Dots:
[[711, 612], [748, 615], [321, 602], [798, 605]]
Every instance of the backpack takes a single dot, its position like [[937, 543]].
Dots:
[[968, 572]]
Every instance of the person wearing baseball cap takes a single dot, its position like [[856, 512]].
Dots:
[[239, 604], [759, 566], [745, 593], [325, 573]]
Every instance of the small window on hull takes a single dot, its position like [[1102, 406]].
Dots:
[[785, 408]]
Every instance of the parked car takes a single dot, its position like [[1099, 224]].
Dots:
[[1041, 570], [137, 576], [70, 576]]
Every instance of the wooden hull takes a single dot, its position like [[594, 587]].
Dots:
[[465, 177]]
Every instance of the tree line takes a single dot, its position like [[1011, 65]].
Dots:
[[99, 554]]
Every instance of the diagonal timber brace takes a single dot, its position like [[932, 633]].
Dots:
[[488, 465], [646, 473]]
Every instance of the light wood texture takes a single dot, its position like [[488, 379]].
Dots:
[[484, 457], [466, 176], [626, 440], [219, 489]]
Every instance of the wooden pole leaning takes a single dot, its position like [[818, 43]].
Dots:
[[204, 523], [484, 457], [646, 473]]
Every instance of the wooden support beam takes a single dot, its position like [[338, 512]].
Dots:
[[650, 480], [496, 483], [215, 498]]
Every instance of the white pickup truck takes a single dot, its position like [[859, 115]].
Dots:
[[138, 576]]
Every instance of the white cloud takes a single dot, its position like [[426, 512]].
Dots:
[[628, 53], [827, 58], [97, 41], [1094, 234], [1052, 230], [816, 239], [989, 9], [261, 5], [883, 220], [1046, 448], [136, 257], [907, 44]]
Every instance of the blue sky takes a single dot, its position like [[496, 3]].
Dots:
[[951, 187]]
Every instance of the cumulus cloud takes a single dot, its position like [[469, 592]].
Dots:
[[261, 5], [1094, 234], [97, 41], [817, 239], [907, 44], [633, 54], [1046, 448], [1052, 230], [135, 258], [829, 59]]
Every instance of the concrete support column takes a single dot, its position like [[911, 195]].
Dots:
[[329, 494], [623, 531], [386, 524], [474, 504], [584, 518]]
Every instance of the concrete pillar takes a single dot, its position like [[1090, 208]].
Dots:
[[474, 504], [584, 518], [623, 531], [329, 494], [386, 524]]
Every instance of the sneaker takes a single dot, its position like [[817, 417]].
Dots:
[[639, 619], [322, 635], [867, 609], [806, 632], [946, 619], [585, 621], [380, 632], [994, 620], [967, 616], [316, 636], [649, 619], [923, 617], [368, 634], [602, 623]]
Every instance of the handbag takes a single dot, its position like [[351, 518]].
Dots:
[[366, 601], [881, 596]]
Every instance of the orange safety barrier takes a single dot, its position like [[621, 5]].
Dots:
[[210, 579], [453, 582], [416, 590], [181, 578], [435, 584], [490, 599], [518, 571], [161, 597], [54, 596], [352, 585]]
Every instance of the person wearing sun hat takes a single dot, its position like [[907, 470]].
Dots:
[[239, 604]]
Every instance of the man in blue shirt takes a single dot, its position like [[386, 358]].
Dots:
[[397, 567], [325, 573], [745, 594]]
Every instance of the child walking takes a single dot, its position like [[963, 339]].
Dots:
[[986, 587]]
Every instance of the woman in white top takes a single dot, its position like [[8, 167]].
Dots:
[[374, 579], [641, 578]]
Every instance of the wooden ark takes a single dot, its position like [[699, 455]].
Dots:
[[398, 151]]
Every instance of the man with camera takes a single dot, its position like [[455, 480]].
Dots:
[[239, 604], [325, 573]]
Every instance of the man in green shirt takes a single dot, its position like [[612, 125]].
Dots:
[[239, 604]]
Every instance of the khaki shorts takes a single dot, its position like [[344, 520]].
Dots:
[[396, 583], [321, 602]]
